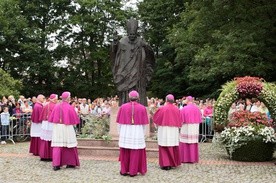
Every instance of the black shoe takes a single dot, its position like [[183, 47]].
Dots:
[[132, 175], [45, 159], [123, 174], [55, 168], [166, 168], [70, 166]]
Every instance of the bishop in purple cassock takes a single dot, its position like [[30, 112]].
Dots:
[[46, 150], [168, 120], [36, 125], [132, 119], [191, 118], [64, 141]]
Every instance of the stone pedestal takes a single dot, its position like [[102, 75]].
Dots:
[[113, 132]]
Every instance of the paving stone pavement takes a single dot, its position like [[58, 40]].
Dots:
[[18, 166]]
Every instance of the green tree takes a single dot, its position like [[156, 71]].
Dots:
[[158, 17], [85, 41], [44, 19], [25, 42], [9, 86], [11, 25], [218, 40], [37, 36]]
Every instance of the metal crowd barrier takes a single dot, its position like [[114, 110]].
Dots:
[[20, 124], [206, 130], [19, 128]]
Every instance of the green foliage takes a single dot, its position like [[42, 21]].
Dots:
[[254, 151], [12, 26], [268, 97], [96, 127], [219, 40], [241, 142], [8, 85], [158, 18], [84, 43], [37, 36], [199, 45], [223, 103]]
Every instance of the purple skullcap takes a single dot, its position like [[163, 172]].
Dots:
[[65, 95], [170, 97], [53, 96], [189, 98], [133, 94]]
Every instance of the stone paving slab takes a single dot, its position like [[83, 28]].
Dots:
[[18, 166]]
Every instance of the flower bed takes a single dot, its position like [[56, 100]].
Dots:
[[249, 137], [245, 118], [246, 136], [249, 142]]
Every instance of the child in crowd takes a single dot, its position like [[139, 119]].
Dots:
[[5, 121]]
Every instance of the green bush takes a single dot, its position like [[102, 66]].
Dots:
[[254, 151], [95, 127]]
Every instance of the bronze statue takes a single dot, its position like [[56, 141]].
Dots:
[[133, 63]]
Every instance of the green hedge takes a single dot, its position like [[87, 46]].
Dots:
[[254, 151]]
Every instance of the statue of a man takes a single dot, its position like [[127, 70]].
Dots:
[[133, 63]]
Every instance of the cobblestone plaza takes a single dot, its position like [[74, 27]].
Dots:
[[17, 166]]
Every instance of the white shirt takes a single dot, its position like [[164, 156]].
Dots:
[[84, 108]]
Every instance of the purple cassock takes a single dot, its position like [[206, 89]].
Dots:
[[36, 128], [64, 140], [132, 119], [46, 150], [168, 120], [191, 117]]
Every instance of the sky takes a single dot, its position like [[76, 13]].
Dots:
[[131, 3]]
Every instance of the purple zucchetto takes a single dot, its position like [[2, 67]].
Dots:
[[170, 97], [133, 94], [189, 98], [53, 96], [65, 95]]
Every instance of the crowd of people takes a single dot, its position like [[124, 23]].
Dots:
[[83, 106], [252, 105], [23, 107]]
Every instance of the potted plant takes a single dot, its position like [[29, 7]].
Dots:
[[249, 137]]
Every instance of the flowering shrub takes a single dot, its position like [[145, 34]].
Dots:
[[223, 103], [245, 118], [268, 97], [95, 127], [247, 136], [249, 86], [245, 87], [234, 137]]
